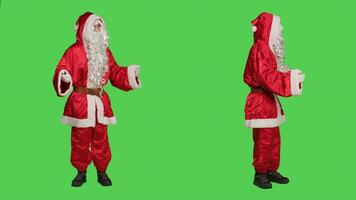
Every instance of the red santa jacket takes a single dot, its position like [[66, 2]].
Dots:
[[82, 110], [263, 109]]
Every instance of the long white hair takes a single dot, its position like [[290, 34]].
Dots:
[[276, 42], [95, 44], [279, 51]]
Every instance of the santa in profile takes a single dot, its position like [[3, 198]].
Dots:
[[83, 71], [268, 77]]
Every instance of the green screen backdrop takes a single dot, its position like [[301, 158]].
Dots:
[[180, 137]]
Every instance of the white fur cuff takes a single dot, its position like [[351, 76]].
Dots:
[[294, 82], [133, 76], [265, 123]]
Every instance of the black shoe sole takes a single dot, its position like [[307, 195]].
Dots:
[[283, 183], [80, 184], [105, 185], [263, 187]]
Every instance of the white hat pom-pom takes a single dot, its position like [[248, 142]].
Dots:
[[254, 28], [75, 28]]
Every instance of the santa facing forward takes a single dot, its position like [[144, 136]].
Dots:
[[268, 77], [85, 68]]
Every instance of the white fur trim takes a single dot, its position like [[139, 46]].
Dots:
[[82, 123], [267, 123], [253, 28], [275, 30], [294, 82], [101, 118], [264, 123], [93, 102], [59, 81], [133, 72]]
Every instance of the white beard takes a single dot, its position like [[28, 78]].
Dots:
[[279, 51], [95, 46]]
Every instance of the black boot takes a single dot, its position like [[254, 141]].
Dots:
[[277, 178], [262, 181], [103, 179], [80, 179]]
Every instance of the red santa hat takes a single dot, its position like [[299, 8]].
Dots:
[[266, 27], [83, 20], [80, 24]]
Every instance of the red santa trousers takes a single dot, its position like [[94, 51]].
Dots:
[[266, 152], [90, 144]]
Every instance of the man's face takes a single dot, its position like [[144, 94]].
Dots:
[[95, 33], [97, 27]]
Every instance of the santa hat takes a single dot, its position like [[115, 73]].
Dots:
[[81, 26], [265, 27], [99, 21]]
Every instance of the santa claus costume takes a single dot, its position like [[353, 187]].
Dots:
[[268, 77], [83, 71]]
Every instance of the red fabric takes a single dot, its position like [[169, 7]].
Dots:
[[266, 152], [263, 24], [81, 23], [118, 75], [90, 144], [261, 72], [75, 62]]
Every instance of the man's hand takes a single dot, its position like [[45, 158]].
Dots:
[[66, 77], [301, 77], [137, 72]]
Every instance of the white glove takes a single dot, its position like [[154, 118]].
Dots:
[[137, 69], [301, 77], [66, 77], [137, 72]]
